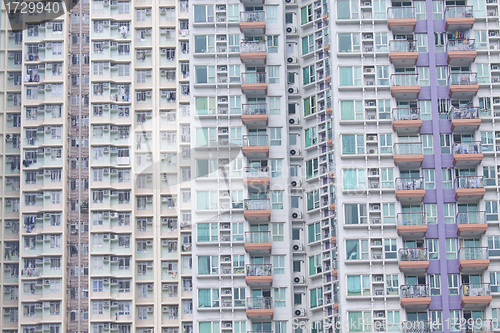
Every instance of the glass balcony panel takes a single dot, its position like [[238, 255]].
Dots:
[[458, 11], [404, 80], [401, 13], [254, 77], [258, 303], [415, 290], [402, 46], [464, 112], [413, 254], [469, 182], [410, 184], [254, 109], [258, 237], [467, 147], [259, 270], [411, 219], [257, 172], [476, 289], [471, 217], [408, 148], [406, 114], [473, 253], [255, 140], [462, 79], [461, 45], [253, 16]]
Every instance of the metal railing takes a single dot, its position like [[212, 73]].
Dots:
[[471, 217], [253, 16], [464, 112], [401, 13], [254, 109], [259, 269], [469, 182], [257, 204], [414, 290], [257, 237], [458, 11], [473, 253], [408, 148], [467, 147], [253, 77], [402, 46], [411, 219], [462, 79], [257, 172], [255, 140], [258, 303], [253, 46], [413, 254], [406, 114], [461, 45], [475, 289], [404, 80], [479, 325], [417, 326], [410, 183]]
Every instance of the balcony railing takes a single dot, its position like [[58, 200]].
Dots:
[[254, 16], [259, 270], [254, 109], [401, 13], [476, 289], [469, 182], [257, 204], [458, 11], [30, 272], [464, 112], [410, 183], [253, 77], [257, 237], [404, 80], [255, 140], [411, 219], [408, 148], [257, 172], [467, 147], [416, 326], [402, 46], [259, 303], [254, 46], [481, 325], [461, 45], [473, 253], [413, 254], [471, 217], [414, 290], [406, 114], [462, 79]]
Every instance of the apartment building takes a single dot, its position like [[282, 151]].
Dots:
[[262, 158], [96, 159], [417, 197]]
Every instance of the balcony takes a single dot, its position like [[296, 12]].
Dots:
[[410, 190], [481, 326], [413, 260], [459, 18], [423, 326], [471, 223], [412, 225], [473, 260], [257, 178], [469, 188], [464, 119], [257, 210], [408, 155], [253, 23], [260, 308], [254, 115], [461, 52], [475, 296], [403, 53], [405, 86], [467, 154], [259, 275], [406, 121], [401, 19], [256, 146], [258, 242], [253, 53], [415, 297], [463, 85], [254, 84]]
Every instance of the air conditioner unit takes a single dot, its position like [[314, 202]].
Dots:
[[379, 278], [297, 215], [47, 129], [149, 178], [106, 303], [150, 286], [296, 183], [291, 60], [228, 325], [105, 236], [113, 171], [295, 152], [298, 279], [294, 121], [47, 215], [293, 90], [377, 242], [46, 282], [370, 83], [289, 2], [298, 247], [291, 30], [377, 256], [105, 192], [165, 309], [164, 242], [148, 93], [114, 237], [494, 67], [376, 207], [379, 292], [149, 199], [227, 258], [376, 221], [300, 313]]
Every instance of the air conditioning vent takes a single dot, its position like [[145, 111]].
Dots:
[[291, 60], [294, 121], [298, 247], [297, 215], [295, 152], [296, 183], [298, 279], [293, 90], [300, 313]]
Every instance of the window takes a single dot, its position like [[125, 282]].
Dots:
[[273, 73], [381, 40], [423, 76], [276, 168], [390, 249], [361, 320], [392, 284], [278, 264], [307, 44], [437, 319], [435, 284], [491, 210], [306, 14], [349, 42], [483, 73], [487, 141], [208, 298], [427, 144], [388, 213], [351, 110], [495, 282], [421, 40], [437, 9], [433, 248], [357, 249], [358, 285], [272, 14], [354, 179], [489, 176], [431, 213], [204, 74], [315, 264], [494, 246], [451, 248], [382, 75], [445, 140], [355, 214], [314, 232], [316, 297], [348, 10], [420, 9], [275, 136], [204, 44], [449, 213], [277, 199], [393, 320], [429, 179], [353, 144], [308, 74], [455, 322], [387, 177], [350, 76], [386, 143], [309, 105], [442, 75], [208, 265], [272, 44], [203, 13]]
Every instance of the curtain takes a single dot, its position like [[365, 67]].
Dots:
[[303, 15], [305, 45], [203, 233], [343, 10], [356, 317], [345, 44], [312, 266], [200, 14], [307, 106], [200, 44], [310, 200], [308, 137], [305, 75], [352, 249], [204, 300], [202, 168], [314, 298], [203, 261], [347, 110], [201, 105], [351, 214], [201, 74], [202, 200], [354, 285], [345, 74], [202, 136], [310, 232], [348, 144]]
